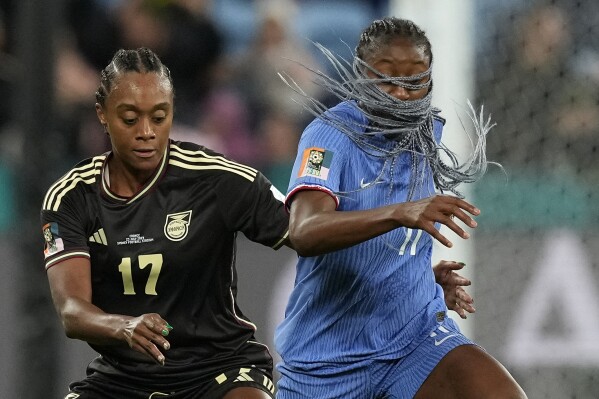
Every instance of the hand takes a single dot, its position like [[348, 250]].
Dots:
[[423, 215], [456, 298], [146, 333]]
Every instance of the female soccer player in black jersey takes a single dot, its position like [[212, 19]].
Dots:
[[140, 251]]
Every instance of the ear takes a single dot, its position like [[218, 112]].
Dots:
[[100, 114]]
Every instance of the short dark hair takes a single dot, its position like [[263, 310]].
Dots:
[[138, 60]]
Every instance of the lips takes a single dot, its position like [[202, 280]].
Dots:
[[144, 153]]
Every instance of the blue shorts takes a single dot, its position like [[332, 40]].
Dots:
[[395, 378]]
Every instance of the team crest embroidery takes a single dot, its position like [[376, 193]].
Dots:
[[316, 163], [177, 225], [54, 244]]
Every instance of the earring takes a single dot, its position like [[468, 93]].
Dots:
[[105, 129]]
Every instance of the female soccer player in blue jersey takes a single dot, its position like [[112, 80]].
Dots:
[[366, 318]]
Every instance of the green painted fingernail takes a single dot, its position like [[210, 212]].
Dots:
[[165, 332], [169, 326]]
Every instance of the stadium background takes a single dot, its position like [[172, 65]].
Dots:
[[533, 64]]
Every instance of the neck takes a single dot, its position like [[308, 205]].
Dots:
[[125, 181]]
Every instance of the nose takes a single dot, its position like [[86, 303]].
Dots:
[[401, 93], [146, 131]]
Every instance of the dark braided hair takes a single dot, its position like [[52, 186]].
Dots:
[[408, 125], [141, 60], [381, 31]]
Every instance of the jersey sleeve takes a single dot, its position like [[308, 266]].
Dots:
[[320, 161], [63, 231], [254, 207]]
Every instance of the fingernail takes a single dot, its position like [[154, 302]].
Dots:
[[165, 332], [466, 235], [461, 263], [167, 346], [169, 326], [161, 360]]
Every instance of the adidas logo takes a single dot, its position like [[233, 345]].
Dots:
[[99, 237]]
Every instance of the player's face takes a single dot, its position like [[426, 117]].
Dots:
[[138, 115], [401, 58]]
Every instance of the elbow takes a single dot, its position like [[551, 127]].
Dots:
[[69, 319], [303, 242], [69, 326]]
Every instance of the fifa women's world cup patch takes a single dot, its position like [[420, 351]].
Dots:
[[54, 244], [316, 163]]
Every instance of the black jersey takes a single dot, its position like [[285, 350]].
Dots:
[[169, 249]]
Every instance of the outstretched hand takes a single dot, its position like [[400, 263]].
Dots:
[[456, 298], [146, 333], [424, 213]]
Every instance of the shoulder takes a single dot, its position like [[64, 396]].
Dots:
[[438, 119], [347, 111], [331, 125], [80, 177], [196, 160]]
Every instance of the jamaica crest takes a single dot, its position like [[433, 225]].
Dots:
[[176, 226]]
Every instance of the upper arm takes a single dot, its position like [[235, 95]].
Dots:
[[70, 279], [308, 203]]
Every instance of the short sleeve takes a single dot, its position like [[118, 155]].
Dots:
[[63, 232], [254, 207], [320, 160]]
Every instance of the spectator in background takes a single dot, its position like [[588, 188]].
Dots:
[[548, 112], [548, 123], [9, 136], [179, 31], [274, 50], [278, 135]]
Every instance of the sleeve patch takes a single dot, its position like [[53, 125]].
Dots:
[[54, 244], [316, 163]]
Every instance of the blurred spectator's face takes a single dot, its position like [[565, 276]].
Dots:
[[138, 114], [401, 58], [545, 35]]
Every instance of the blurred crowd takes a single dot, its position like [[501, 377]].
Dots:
[[228, 94], [539, 77], [537, 73]]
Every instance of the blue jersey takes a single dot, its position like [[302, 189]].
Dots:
[[377, 299]]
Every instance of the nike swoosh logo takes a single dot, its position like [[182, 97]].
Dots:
[[363, 185], [437, 343]]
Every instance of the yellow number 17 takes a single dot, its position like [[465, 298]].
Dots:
[[153, 260]]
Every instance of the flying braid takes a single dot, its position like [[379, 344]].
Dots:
[[408, 124]]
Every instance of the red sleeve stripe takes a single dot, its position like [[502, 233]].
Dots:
[[64, 256], [314, 187]]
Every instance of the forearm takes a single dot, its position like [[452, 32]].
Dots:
[[328, 231], [85, 321]]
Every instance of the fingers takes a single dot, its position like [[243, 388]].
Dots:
[[438, 236], [456, 208], [468, 207], [160, 326], [146, 334], [463, 303], [150, 349]]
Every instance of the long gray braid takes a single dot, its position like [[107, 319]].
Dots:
[[409, 124]]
